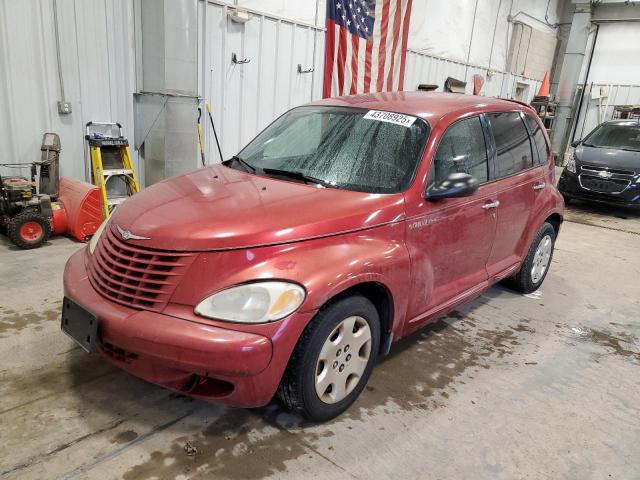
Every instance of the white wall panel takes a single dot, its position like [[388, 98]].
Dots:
[[443, 29], [617, 53], [421, 68], [98, 61], [301, 11], [246, 98], [96, 43]]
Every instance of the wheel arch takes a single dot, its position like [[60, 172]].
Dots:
[[555, 219], [382, 299]]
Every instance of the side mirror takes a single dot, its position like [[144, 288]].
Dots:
[[454, 186], [575, 143]]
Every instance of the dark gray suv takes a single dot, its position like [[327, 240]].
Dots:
[[605, 166]]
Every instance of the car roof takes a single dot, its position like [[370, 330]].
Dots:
[[427, 105], [627, 122]]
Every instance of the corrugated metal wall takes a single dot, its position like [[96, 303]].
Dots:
[[597, 110], [97, 55], [246, 98], [427, 69]]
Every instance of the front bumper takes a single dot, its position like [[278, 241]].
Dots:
[[223, 365], [569, 185]]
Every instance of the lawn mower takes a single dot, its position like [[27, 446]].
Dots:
[[33, 209]]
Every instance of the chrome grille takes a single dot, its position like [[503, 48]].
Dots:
[[600, 179], [615, 171]]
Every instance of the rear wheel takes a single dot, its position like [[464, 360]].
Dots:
[[536, 264], [29, 229], [333, 359]]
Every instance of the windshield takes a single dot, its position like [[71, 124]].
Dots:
[[347, 148], [620, 136]]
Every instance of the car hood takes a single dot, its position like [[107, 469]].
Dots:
[[608, 157], [219, 208]]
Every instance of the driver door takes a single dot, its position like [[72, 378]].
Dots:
[[450, 240]]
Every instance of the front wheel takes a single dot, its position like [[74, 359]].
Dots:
[[333, 359], [536, 264]]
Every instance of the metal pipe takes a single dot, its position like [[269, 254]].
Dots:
[[493, 39], [525, 14], [57, 35], [584, 84], [615, 20], [473, 25], [506, 42], [313, 60]]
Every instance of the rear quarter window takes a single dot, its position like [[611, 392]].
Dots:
[[513, 146], [539, 140]]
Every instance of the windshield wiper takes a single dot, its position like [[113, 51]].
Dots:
[[248, 167], [296, 176]]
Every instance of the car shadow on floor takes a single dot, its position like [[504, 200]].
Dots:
[[620, 212]]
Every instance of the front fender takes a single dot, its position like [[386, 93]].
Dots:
[[324, 266]]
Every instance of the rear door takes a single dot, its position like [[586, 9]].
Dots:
[[450, 240], [518, 178]]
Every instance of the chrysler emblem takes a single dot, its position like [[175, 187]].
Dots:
[[605, 174], [127, 235]]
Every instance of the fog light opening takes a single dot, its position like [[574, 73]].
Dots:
[[207, 387]]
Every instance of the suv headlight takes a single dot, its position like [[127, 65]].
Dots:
[[571, 164], [96, 236], [257, 302]]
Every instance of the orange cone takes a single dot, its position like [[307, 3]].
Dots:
[[544, 88]]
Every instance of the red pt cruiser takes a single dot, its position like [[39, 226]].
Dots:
[[343, 226]]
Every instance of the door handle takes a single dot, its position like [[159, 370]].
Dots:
[[495, 204], [539, 186]]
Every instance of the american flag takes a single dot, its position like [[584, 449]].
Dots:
[[366, 46]]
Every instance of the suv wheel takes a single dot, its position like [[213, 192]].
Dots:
[[333, 359], [536, 264]]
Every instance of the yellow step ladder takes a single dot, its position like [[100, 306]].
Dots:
[[112, 169]]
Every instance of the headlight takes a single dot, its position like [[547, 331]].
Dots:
[[571, 164], [96, 236], [257, 302]]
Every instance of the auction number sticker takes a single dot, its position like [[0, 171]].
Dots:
[[390, 117]]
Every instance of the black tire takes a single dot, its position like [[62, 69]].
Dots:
[[297, 389], [523, 281], [567, 200], [17, 235]]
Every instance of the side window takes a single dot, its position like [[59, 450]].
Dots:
[[539, 141], [513, 147], [462, 149]]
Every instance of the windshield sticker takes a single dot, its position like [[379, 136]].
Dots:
[[390, 117]]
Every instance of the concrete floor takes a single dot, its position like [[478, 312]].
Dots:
[[509, 387]]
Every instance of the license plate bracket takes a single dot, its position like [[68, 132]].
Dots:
[[80, 324]]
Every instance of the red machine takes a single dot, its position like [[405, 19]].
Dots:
[[78, 211], [31, 211]]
